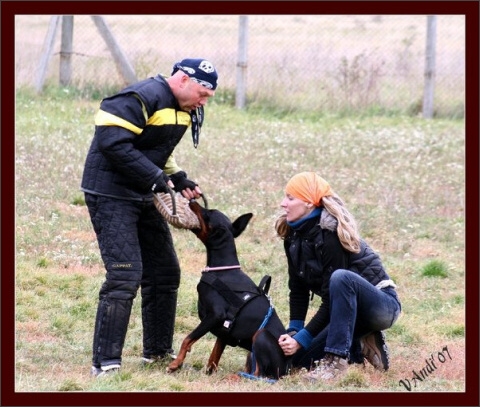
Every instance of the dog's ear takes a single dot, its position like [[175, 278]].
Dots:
[[241, 223]]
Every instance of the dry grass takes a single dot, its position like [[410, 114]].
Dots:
[[402, 177], [410, 209]]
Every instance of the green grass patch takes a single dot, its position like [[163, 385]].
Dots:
[[435, 268]]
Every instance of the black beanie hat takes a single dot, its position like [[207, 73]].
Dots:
[[199, 70]]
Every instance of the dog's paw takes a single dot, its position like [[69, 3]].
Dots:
[[173, 367], [211, 369]]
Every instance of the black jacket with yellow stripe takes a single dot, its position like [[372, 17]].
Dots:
[[136, 132]]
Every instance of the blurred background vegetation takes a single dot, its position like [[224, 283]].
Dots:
[[322, 64]]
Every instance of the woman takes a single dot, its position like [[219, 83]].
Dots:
[[327, 257]]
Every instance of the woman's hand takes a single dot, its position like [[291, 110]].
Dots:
[[288, 344]]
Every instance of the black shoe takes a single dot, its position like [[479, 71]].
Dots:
[[375, 350]]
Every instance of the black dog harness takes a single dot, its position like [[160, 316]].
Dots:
[[236, 294], [237, 297]]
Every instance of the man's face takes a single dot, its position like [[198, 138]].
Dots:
[[193, 95]]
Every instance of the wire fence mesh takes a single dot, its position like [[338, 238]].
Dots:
[[323, 63]]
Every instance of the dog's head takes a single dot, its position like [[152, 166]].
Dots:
[[215, 225]]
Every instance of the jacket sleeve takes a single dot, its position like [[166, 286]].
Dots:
[[299, 291], [333, 257], [116, 135], [171, 166], [115, 143]]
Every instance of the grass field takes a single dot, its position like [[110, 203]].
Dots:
[[402, 177]]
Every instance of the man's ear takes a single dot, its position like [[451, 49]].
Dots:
[[184, 79]]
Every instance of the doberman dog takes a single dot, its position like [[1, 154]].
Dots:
[[230, 305]]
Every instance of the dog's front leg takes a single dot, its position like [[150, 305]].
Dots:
[[204, 327], [215, 356], [186, 347]]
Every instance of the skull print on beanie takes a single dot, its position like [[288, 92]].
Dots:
[[199, 70]]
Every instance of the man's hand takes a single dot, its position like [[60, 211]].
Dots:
[[187, 187]]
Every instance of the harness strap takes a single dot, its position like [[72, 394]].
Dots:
[[235, 300], [265, 284], [223, 289]]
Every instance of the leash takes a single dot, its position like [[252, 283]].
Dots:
[[207, 269], [252, 377], [267, 317]]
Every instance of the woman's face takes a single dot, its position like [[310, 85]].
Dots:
[[295, 208]]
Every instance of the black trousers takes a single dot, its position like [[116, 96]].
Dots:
[[137, 250]]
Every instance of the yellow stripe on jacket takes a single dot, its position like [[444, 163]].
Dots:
[[159, 118]]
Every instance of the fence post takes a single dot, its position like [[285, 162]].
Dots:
[[430, 68], [240, 94], [47, 52], [66, 48], [121, 61]]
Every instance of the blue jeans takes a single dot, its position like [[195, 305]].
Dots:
[[357, 308]]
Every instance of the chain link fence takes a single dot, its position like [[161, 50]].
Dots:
[[321, 63]]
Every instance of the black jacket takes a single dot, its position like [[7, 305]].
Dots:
[[136, 132], [313, 253]]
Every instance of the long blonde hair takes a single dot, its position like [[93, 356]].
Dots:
[[347, 228]]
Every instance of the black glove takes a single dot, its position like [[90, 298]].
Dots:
[[181, 182], [160, 184]]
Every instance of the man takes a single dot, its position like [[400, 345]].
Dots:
[[130, 158]]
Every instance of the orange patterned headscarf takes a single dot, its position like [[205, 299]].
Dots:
[[309, 187]]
